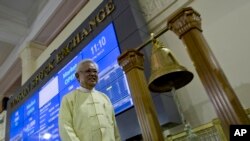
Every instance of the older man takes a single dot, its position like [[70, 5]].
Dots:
[[87, 114]]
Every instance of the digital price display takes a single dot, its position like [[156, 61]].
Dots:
[[37, 118]]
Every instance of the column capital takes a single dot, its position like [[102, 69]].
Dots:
[[131, 59], [28, 56], [31, 51], [184, 20]]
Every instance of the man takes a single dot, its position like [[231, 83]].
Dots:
[[87, 114], [3, 114]]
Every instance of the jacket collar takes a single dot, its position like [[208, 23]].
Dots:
[[86, 90]]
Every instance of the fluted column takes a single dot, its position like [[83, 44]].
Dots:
[[28, 56], [186, 23], [132, 63]]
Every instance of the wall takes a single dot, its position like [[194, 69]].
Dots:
[[227, 33]]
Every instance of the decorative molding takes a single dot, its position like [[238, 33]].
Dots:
[[38, 23], [58, 20], [157, 20], [182, 22], [152, 8], [131, 59], [36, 8], [31, 51]]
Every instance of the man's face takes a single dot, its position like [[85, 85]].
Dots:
[[87, 75]]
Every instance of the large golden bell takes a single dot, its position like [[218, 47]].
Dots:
[[166, 73]]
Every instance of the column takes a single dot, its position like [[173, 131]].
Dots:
[[186, 23], [132, 63], [28, 56]]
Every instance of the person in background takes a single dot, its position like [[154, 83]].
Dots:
[[3, 114], [86, 114]]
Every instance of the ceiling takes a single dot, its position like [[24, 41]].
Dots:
[[22, 21]]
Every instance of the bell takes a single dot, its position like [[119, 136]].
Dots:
[[166, 73]]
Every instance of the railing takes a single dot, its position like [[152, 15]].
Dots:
[[211, 131]]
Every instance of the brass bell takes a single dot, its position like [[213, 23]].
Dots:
[[166, 73]]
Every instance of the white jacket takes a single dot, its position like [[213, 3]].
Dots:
[[87, 116]]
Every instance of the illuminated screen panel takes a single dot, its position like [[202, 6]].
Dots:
[[37, 118]]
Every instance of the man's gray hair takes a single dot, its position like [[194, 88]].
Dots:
[[86, 61]]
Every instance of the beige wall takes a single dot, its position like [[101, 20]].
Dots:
[[225, 25]]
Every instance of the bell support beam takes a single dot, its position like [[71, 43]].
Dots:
[[186, 23], [132, 63]]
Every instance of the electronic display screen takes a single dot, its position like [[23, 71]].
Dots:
[[37, 118]]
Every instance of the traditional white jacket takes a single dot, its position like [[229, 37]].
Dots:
[[87, 116]]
